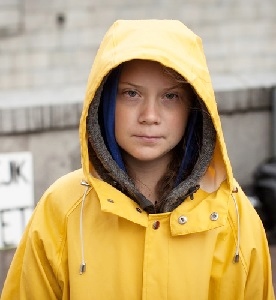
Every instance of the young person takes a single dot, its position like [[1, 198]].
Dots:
[[155, 212]]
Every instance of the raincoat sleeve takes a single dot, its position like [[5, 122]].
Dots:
[[39, 269], [259, 275], [254, 255], [33, 274]]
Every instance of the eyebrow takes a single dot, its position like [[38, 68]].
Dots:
[[179, 85], [129, 83]]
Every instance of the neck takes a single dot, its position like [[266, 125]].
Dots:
[[146, 184], [146, 176]]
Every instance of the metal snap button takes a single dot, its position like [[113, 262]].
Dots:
[[139, 209], [214, 216], [156, 225], [182, 220]]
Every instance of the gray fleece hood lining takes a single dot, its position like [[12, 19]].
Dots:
[[110, 172]]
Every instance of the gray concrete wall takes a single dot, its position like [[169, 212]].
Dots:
[[38, 49], [5, 260], [55, 153], [247, 124]]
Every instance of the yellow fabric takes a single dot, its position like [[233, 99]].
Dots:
[[130, 254]]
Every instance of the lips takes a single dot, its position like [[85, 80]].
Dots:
[[148, 138]]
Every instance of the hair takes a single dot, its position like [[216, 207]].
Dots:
[[168, 181]]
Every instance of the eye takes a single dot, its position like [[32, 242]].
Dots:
[[131, 93], [171, 96]]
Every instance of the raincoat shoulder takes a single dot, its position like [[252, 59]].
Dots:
[[43, 244], [254, 255]]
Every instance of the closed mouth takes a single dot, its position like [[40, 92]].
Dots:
[[148, 137]]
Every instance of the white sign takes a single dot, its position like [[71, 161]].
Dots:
[[16, 195]]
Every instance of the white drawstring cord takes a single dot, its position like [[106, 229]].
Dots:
[[237, 255], [83, 264]]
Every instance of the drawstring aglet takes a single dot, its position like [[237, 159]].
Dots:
[[83, 182], [82, 268], [236, 258]]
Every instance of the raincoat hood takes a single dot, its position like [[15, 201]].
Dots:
[[172, 44]]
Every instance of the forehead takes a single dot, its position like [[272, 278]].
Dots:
[[148, 70]]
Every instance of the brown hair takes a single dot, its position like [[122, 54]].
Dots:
[[167, 181]]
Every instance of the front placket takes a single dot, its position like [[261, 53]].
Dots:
[[156, 257]]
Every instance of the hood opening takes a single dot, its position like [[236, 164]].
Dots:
[[197, 148], [191, 142]]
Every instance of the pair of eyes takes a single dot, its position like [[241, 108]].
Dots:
[[169, 95]]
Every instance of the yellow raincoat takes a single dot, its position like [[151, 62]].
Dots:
[[88, 240]]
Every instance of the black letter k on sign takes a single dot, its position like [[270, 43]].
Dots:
[[16, 173]]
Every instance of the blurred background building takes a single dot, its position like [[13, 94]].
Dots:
[[46, 52]]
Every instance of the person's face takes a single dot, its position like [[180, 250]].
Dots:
[[151, 112]]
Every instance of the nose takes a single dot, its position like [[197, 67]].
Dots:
[[150, 112]]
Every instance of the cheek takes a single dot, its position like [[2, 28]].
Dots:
[[118, 123], [179, 122], [122, 119]]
